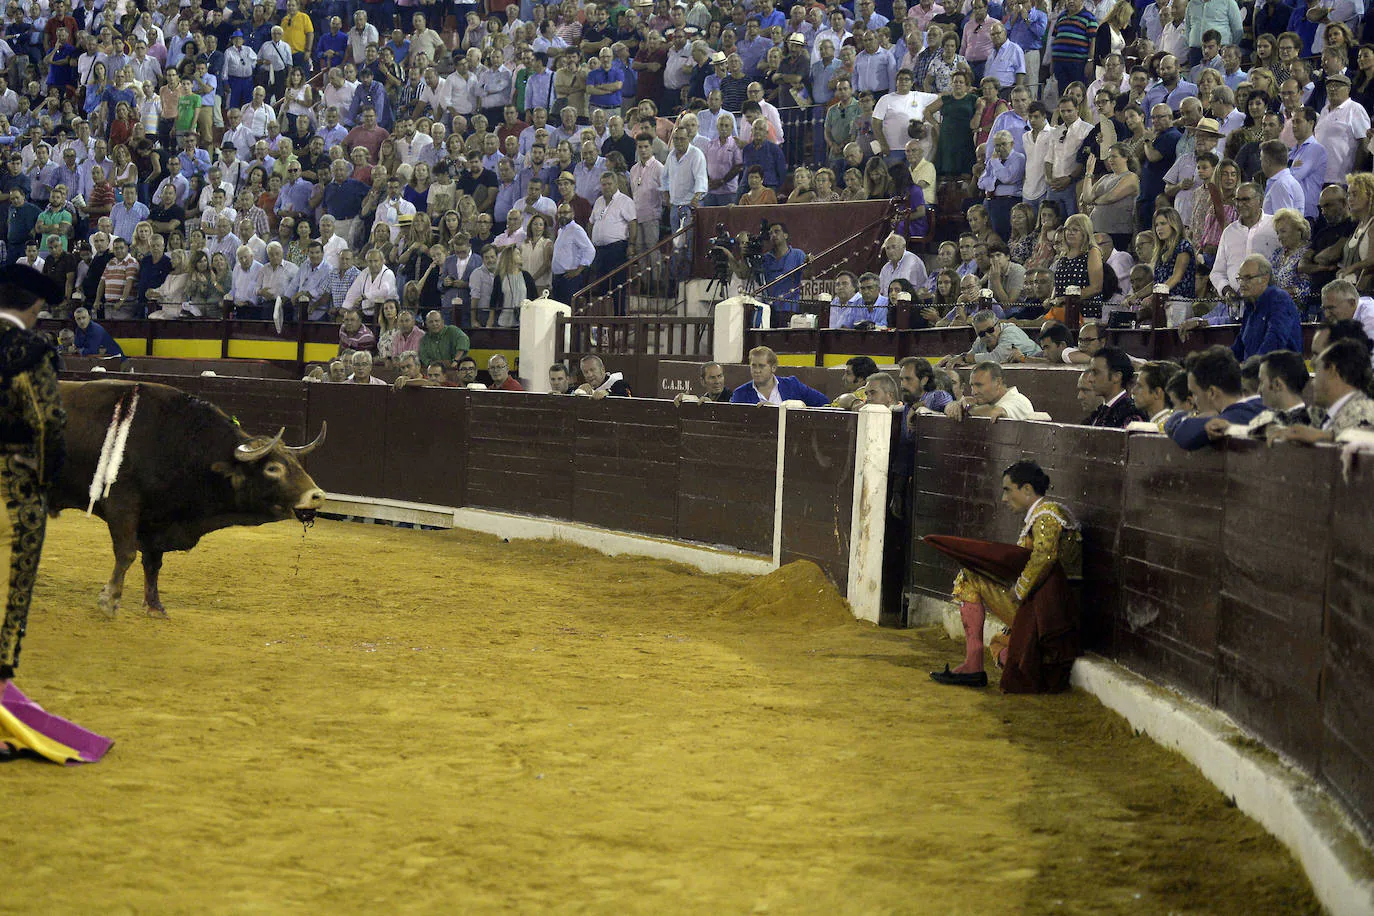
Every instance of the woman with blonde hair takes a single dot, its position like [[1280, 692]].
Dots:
[[803, 187], [413, 242], [1207, 81], [1357, 260], [878, 180], [1174, 261], [1295, 234], [511, 287], [1263, 82], [1222, 210], [1115, 32], [388, 156], [467, 214], [1047, 225], [1081, 263], [172, 294], [825, 187], [980, 224]]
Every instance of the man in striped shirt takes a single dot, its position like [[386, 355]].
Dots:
[[1072, 43], [117, 283]]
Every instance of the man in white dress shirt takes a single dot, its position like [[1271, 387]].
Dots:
[[1251, 233], [613, 232], [901, 265]]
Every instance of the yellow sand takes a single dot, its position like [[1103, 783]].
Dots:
[[371, 719]]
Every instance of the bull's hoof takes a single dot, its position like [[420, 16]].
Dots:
[[156, 611], [108, 606]]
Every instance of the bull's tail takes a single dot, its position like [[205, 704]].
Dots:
[[112, 451]]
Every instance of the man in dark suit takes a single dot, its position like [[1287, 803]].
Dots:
[[1110, 373]]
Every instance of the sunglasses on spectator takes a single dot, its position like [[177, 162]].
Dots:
[[988, 332]]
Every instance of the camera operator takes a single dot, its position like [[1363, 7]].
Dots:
[[779, 259]]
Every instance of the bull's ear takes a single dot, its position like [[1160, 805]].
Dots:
[[230, 470]]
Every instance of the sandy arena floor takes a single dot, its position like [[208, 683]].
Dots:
[[424, 721]]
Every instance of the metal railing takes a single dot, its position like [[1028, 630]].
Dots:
[[654, 277], [815, 278], [607, 335]]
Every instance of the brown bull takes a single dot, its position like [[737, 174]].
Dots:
[[187, 470]]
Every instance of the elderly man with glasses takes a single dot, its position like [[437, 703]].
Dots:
[[1251, 233], [1269, 320], [997, 341]]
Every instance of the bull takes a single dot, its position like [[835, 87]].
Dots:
[[188, 469]]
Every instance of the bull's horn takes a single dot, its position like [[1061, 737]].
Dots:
[[249, 452], [302, 450]]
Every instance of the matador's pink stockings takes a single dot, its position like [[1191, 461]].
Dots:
[[973, 614]]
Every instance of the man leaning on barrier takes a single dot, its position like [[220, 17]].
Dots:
[[1340, 388], [1025, 586], [600, 384], [997, 340], [712, 384], [990, 397], [765, 386], [1111, 374], [1214, 382]]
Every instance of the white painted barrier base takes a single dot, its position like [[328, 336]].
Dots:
[[1281, 798], [1285, 801], [522, 527]]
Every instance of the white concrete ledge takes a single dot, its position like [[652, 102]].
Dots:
[[527, 527], [1284, 800]]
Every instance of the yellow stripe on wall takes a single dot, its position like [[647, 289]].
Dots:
[[262, 349], [320, 352], [134, 346], [186, 349]]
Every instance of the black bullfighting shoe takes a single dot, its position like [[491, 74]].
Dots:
[[955, 679]]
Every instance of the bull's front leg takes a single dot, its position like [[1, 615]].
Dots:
[[124, 536], [152, 565]]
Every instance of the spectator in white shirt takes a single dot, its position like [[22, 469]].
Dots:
[[1341, 127], [1251, 233], [1037, 143], [901, 264], [372, 286], [990, 397]]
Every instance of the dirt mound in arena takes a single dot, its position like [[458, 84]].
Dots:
[[797, 596]]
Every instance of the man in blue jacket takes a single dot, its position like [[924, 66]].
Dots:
[[91, 338], [1214, 381], [767, 387], [1270, 320]]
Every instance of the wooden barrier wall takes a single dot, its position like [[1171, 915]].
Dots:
[[702, 472], [1242, 576]]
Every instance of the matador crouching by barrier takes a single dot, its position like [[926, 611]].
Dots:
[[1025, 585]]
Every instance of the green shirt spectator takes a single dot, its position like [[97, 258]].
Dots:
[[444, 344]]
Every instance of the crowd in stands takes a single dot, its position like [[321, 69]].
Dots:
[[1190, 163]]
